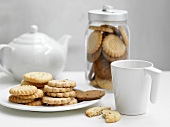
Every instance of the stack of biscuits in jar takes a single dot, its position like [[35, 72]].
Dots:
[[105, 44]]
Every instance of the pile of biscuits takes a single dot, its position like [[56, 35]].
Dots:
[[28, 95], [110, 116], [60, 92], [105, 44], [38, 88]]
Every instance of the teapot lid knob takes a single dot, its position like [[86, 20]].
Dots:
[[33, 29]]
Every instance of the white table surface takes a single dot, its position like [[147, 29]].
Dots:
[[158, 115]]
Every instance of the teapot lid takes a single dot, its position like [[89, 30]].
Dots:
[[34, 37]]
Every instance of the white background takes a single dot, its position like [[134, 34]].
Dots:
[[148, 21]]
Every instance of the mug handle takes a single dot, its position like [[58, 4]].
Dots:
[[155, 75], [2, 46]]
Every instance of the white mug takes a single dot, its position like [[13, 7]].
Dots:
[[134, 82]]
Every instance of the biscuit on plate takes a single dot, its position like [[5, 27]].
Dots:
[[37, 77], [23, 90]]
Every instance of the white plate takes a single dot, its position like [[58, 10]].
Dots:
[[4, 94]]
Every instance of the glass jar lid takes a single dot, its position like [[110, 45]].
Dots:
[[108, 14]]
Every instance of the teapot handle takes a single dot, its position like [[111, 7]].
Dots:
[[2, 46]]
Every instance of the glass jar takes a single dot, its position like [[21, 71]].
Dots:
[[106, 40]]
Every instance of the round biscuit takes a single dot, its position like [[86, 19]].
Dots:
[[111, 59], [62, 83], [38, 94], [23, 90], [55, 89], [89, 95], [66, 94], [39, 85], [35, 103], [102, 68], [113, 45], [104, 83], [37, 77], [124, 35], [93, 57], [15, 99], [94, 42], [111, 116], [51, 100]]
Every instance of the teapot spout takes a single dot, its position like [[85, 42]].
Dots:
[[64, 42]]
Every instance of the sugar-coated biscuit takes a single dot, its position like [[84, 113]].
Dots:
[[65, 94], [35, 103], [23, 90], [15, 99], [89, 95], [95, 111], [38, 94], [111, 116], [37, 77], [51, 100], [94, 42], [56, 90], [124, 35], [62, 83], [73, 101], [113, 46], [39, 85]]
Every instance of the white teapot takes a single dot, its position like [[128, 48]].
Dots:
[[34, 51]]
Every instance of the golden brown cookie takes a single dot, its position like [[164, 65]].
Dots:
[[23, 90], [104, 83], [93, 82], [93, 57], [113, 46], [35, 103], [56, 90], [62, 83], [102, 68], [94, 42], [107, 28], [39, 85], [65, 94], [111, 116], [15, 99], [38, 77], [95, 111], [51, 100], [38, 94], [104, 28], [89, 95], [111, 59], [73, 101], [124, 35]]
